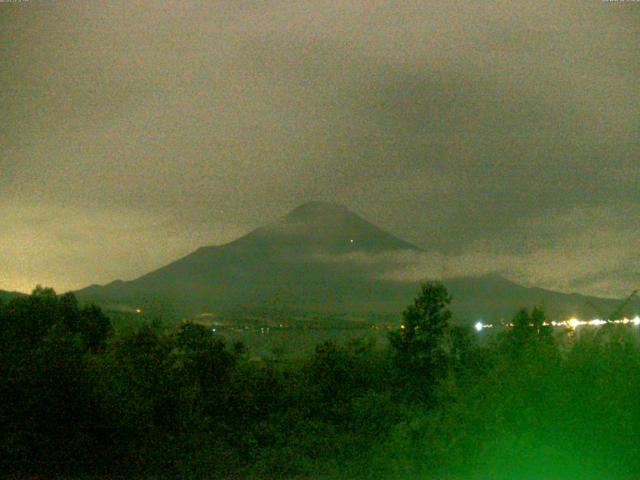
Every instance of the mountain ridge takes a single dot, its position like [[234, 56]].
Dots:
[[319, 257]]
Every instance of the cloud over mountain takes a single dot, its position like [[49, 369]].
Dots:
[[320, 259]]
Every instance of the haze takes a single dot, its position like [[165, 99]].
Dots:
[[500, 135]]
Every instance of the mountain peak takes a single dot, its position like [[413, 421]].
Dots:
[[320, 257], [330, 227], [317, 209]]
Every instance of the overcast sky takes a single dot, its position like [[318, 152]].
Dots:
[[503, 135]]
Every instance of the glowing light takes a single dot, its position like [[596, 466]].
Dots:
[[401, 327], [351, 240], [573, 323], [138, 310]]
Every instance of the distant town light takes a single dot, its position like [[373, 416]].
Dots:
[[138, 310], [478, 326], [573, 323]]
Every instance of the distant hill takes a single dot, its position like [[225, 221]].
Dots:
[[321, 258]]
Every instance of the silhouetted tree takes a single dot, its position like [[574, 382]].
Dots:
[[47, 408], [203, 357], [531, 332], [419, 344], [95, 328]]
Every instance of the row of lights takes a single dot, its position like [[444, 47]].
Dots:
[[572, 323]]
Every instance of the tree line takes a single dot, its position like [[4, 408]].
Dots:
[[78, 400]]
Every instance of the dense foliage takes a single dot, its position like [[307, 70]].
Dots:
[[79, 401]]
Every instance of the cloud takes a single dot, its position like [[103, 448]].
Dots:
[[564, 256], [70, 247], [453, 125]]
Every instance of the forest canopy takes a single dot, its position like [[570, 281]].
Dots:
[[433, 402]]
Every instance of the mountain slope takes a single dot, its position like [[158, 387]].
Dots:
[[320, 258], [282, 265], [495, 298]]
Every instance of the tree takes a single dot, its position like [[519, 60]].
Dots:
[[203, 357], [531, 332], [47, 410], [419, 345], [96, 327]]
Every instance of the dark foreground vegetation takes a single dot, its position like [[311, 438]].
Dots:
[[78, 401]]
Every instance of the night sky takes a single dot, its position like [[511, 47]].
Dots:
[[499, 135]]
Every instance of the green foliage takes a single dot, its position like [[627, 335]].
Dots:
[[531, 333], [530, 412], [47, 411], [78, 401], [420, 346]]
